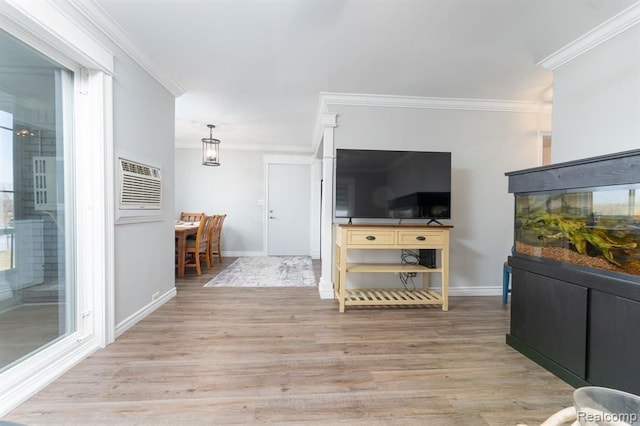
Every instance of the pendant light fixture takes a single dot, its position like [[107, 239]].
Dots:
[[210, 149]]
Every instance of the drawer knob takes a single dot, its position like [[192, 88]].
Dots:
[[421, 238], [370, 237]]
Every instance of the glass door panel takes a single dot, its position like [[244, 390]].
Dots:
[[37, 292]]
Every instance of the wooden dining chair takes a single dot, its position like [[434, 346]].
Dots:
[[190, 217], [216, 217], [198, 247], [215, 242]]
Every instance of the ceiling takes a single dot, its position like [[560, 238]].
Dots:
[[256, 68]]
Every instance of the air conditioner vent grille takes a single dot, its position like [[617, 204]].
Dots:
[[140, 186], [136, 168]]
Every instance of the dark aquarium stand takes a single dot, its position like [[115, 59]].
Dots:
[[575, 306]]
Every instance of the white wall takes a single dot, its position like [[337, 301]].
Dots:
[[596, 100], [144, 117], [484, 145], [237, 187]]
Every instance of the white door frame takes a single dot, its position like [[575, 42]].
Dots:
[[541, 136], [314, 193]]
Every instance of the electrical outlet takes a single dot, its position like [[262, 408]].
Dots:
[[155, 296]]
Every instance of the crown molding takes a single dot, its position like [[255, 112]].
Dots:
[[97, 16], [355, 99], [286, 159], [392, 101], [607, 30], [253, 147]]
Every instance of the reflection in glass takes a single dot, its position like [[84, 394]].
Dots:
[[36, 293]]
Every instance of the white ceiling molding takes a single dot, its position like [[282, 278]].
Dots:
[[354, 99], [105, 23], [600, 34], [286, 159], [253, 147]]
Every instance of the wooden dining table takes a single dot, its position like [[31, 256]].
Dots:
[[183, 230]]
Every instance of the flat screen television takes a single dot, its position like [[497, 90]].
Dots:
[[375, 184]]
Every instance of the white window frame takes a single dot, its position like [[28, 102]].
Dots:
[[541, 137], [44, 26]]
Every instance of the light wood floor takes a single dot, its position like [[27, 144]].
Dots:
[[216, 356]]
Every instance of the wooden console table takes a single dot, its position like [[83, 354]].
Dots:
[[371, 237]]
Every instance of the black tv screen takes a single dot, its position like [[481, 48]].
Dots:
[[392, 184]]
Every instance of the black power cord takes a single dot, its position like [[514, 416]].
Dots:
[[411, 258]]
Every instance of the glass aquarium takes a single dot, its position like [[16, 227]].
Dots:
[[592, 227]]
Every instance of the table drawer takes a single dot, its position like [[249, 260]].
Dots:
[[372, 237], [421, 238]]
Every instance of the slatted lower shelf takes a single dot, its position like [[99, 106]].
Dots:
[[391, 296]]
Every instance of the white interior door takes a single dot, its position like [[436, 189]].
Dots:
[[289, 209]]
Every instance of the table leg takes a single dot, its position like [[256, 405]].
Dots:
[[445, 279], [182, 247]]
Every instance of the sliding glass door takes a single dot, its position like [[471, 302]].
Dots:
[[37, 286]]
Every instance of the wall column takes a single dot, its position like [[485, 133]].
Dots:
[[325, 287]]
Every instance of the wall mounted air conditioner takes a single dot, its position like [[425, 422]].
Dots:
[[139, 192]]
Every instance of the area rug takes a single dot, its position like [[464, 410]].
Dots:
[[266, 271]]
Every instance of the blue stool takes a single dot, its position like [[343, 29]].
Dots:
[[506, 277]]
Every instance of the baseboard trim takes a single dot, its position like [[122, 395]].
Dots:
[[475, 291], [325, 288], [242, 253], [125, 325], [313, 254]]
